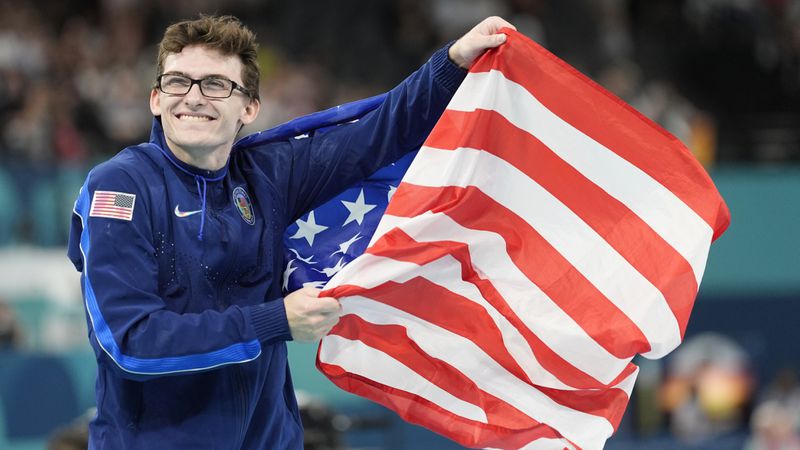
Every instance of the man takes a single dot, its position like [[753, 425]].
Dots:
[[179, 242]]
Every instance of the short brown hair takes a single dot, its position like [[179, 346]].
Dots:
[[225, 34]]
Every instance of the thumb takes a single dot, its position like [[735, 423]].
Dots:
[[328, 305], [497, 39]]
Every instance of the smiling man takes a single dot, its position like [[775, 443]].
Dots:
[[179, 242]]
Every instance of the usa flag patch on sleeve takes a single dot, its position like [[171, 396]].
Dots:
[[112, 205]]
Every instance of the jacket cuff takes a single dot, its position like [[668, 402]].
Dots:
[[445, 71], [269, 321]]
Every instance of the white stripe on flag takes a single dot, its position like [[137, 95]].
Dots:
[[627, 384], [673, 220]]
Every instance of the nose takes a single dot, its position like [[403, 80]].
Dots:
[[194, 96]]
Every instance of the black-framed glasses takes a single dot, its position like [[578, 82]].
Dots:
[[211, 87]]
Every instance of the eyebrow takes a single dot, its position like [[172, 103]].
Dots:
[[184, 74]]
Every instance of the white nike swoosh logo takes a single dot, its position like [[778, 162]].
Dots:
[[180, 213]]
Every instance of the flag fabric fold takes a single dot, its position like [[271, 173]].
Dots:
[[544, 235]]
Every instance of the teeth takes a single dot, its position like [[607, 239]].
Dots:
[[194, 118]]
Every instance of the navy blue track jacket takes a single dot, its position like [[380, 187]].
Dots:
[[181, 273]]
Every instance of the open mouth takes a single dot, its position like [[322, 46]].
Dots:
[[194, 117]]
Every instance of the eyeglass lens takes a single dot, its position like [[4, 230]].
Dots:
[[210, 87]]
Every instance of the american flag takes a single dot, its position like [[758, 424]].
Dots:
[[112, 205], [544, 235]]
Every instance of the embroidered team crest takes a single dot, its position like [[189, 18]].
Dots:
[[112, 205], [243, 204]]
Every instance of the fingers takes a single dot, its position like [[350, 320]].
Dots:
[[325, 325], [495, 23], [310, 291], [326, 305], [480, 38], [315, 327], [490, 28], [493, 40], [309, 316]]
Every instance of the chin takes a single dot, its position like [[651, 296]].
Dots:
[[193, 136]]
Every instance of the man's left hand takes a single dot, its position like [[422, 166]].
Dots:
[[477, 40]]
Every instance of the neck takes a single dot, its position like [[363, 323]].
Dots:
[[208, 159]]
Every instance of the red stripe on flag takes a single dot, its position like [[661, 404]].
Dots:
[[110, 213], [111, 209], [608, 120], [608, 403], [630, 236]]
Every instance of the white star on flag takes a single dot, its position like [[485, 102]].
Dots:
[[331, 271], [344, 246], [308, 228], [358, 209], [288, 273], [309, 260]]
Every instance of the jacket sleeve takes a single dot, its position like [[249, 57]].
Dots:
[[130, 328], [331, 160]]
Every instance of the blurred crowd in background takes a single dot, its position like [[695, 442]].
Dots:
[[75, 74], [722, 75]]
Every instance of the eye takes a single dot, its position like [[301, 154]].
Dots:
[[217, 84], [175, 81]]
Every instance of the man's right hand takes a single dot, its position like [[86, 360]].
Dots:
[[310, 316]]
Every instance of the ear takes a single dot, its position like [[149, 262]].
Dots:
[[250, 111], [155, 103]]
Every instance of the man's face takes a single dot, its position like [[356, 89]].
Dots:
[[194, 124]]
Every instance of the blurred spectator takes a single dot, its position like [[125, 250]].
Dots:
[[10, 329], [526, 16], [455, 17], [708, 388], [291, 90], [27, 135], [785, 390], [322, 427], [774, 427], [775, 424], [623, 77], [74, 436], [660, 101]]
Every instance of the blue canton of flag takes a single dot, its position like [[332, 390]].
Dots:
[[323, 241]]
